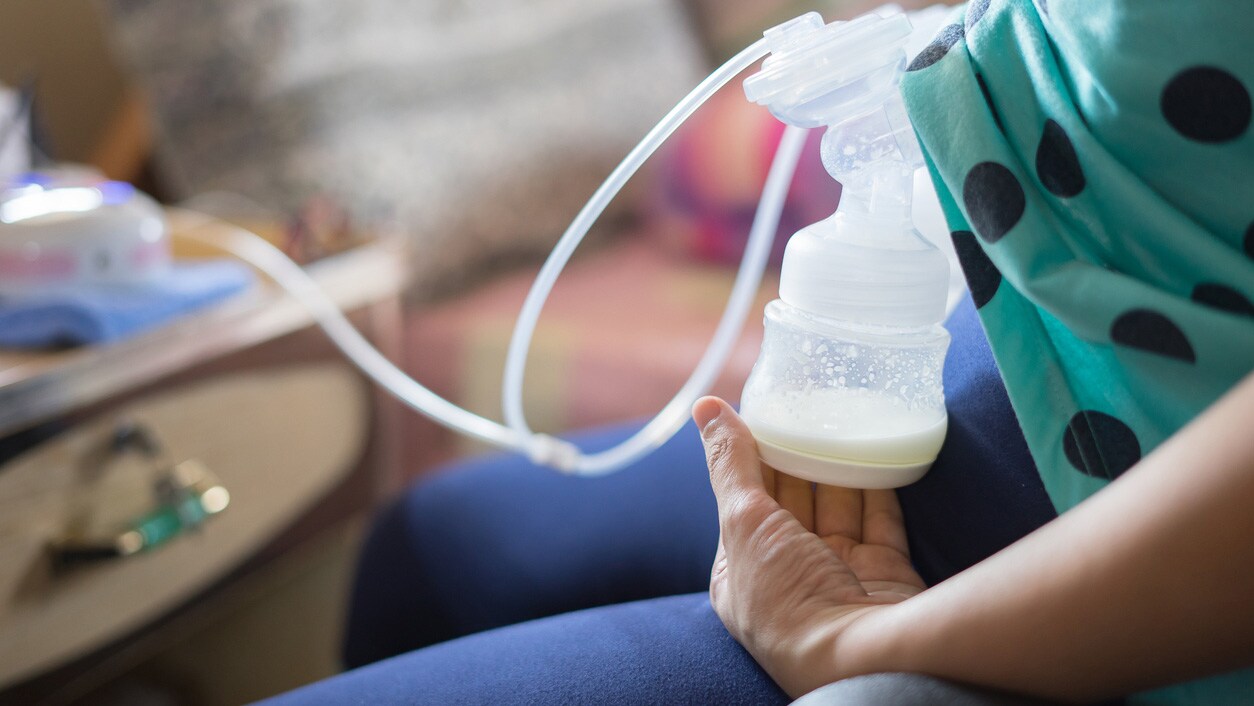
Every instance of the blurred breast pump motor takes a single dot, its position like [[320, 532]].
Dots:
[[847, 390], [68, 228]]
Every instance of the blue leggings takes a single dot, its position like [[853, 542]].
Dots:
[[496, 581]]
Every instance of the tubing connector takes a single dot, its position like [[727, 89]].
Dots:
[[559, 454]]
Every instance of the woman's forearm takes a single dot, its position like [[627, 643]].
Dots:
[[1150, 581]]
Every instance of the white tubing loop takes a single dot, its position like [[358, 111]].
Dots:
[[675, 414], [517, 436], [757, 250], [524, 328], [263, 255]]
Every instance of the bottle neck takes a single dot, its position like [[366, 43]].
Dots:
[[874, 156], [883, 194]]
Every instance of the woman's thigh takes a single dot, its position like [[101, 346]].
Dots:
[[497, 541], [659, 651]]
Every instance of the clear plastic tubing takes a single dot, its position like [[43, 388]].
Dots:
[[761, 235], [258, 252], [517, 436], [675, 414]]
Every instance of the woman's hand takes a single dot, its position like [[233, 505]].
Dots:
[[798, 565], [1143, 584]]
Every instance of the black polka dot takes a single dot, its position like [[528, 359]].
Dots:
[[1153, 332], [975, 10], [1057, 165], [1221, 296], [988, 99], [1206, 104], [994, 200], [940, 46], [982, 275], [1100, 445], [1249, 241]]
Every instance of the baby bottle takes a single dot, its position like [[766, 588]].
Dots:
[[847, 390]]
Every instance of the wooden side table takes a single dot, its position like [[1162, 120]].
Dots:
[[246, 387]]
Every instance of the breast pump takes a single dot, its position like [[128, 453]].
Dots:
[[847, 390]]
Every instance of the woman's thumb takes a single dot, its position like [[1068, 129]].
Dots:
[[730, 450]]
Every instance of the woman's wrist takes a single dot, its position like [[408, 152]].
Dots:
[[878, 641], [850, 643]]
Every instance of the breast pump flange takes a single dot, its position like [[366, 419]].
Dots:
[[847, 390]]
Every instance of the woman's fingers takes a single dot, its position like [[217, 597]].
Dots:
[[741, 481], [797, 497], [882, 522], [838, 511]]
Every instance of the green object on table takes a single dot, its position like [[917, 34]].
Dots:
[[167, 522]]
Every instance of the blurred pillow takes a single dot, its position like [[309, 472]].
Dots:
[[711, 174], [481, 127], [710, 178]]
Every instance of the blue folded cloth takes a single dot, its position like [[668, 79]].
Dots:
[[98, 313]]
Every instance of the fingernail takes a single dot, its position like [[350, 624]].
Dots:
[[705, 411]]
